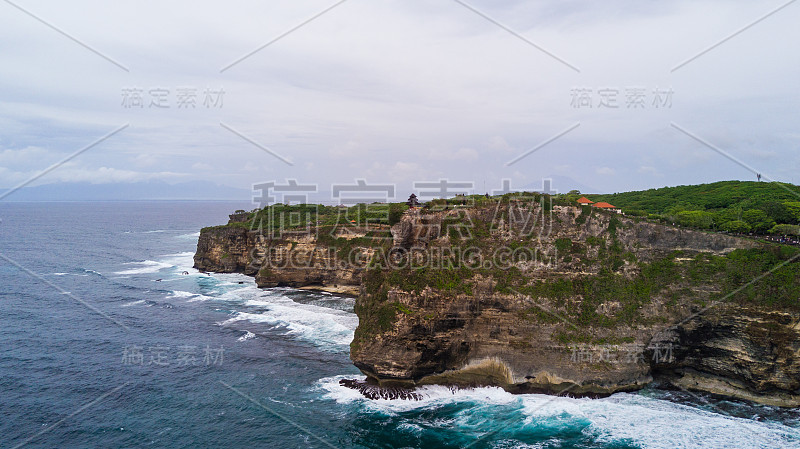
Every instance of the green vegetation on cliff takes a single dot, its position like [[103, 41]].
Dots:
[[280, 217], [606, 286], [767, 276], [734, 206]]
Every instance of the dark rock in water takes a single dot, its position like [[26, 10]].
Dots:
[[371, 391]]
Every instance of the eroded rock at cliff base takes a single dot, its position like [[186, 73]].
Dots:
[[372, 391], [745, 352]]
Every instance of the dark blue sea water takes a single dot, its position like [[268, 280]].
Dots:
[[95, 351]]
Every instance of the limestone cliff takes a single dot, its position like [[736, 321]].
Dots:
[[225, 249], [540, 298], [598, 304], [324, 259], [746, 352]]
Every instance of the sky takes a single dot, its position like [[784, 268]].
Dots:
[[617, 95]]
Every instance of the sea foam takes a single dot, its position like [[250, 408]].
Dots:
[[247, 336], [182, 261], [144, 267], [633, 418], [327, 328]]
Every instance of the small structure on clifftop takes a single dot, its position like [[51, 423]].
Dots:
[[412, 201], [583, 201], [606, 206]]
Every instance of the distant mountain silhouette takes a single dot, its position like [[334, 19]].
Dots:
[[152, 190]]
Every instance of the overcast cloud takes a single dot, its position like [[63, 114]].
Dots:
[[401, 91]]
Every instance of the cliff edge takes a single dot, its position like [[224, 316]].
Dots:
[[535, 297]]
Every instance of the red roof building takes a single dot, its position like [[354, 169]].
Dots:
[[584, 200], [604, 205]]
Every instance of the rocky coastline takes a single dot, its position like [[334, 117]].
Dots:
[[539, 298]]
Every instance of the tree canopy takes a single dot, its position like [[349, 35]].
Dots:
[[734, 206]]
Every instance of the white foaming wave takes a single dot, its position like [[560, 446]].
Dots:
[[181, 294], [191, 236], [247, 336], [183, 261], [180, 254], [341, 394], [660, 424], [324, 331], [241, 293], [147, 266], [229, 279], [69, 274], [646, 422], [180, 260], [279, 305], [238, 280], [133, 303], [432, 396], [189, 296], [200, 298], [320, 325], [416, 429]]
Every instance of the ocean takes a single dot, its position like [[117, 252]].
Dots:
[[109, 338]]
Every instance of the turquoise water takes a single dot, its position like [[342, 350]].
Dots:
[[105, 343]]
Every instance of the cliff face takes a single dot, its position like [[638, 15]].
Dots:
[[743, 352], [298, 259], [539, 299], [226, 250], [750, 353], [605, 304]]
